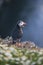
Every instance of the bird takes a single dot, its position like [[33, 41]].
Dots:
[[17, 33]]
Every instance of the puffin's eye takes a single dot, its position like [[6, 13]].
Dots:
[[20, 24]]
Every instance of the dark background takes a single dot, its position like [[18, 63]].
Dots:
[[30, 11]]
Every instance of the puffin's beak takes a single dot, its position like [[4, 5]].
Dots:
[[24, 24]]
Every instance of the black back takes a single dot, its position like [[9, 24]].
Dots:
[[17, 33]]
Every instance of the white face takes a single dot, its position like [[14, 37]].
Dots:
[[21, 24]]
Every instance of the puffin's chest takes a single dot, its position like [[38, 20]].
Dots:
[[20, 31]]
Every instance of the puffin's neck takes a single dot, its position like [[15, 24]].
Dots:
[[20, 29]]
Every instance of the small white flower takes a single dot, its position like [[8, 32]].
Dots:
[[17, 62], [40, 59], [6, 59], [12, 59], [33, 63], [27, 52], [17, 59], [2, 51], [40, 53], [7, 64], [27, 62], [32, 54], [23, 58], [11, 48], [22, 62], [8, 54], [33, 51], [1, 56], [6, 48]]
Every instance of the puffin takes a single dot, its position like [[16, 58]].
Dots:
[[17, 33]]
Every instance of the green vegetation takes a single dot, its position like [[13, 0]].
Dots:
[[20, 56]]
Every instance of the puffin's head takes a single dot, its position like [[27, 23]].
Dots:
[[21, 23]]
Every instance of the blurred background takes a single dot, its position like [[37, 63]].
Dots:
[[30, 11]]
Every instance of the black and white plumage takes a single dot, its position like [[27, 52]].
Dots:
[[17, 33]]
